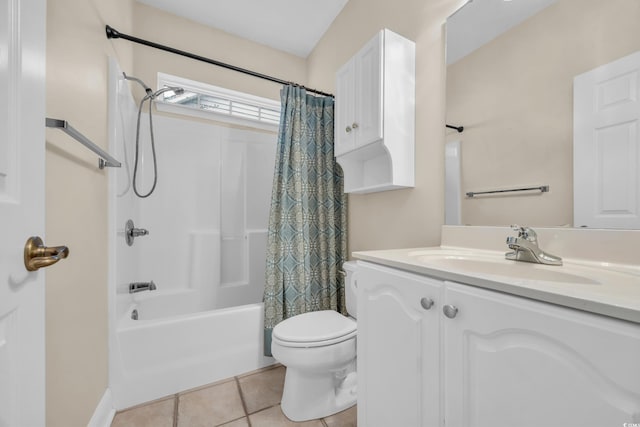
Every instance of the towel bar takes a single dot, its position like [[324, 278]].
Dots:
[[542, 189], [105, 159]]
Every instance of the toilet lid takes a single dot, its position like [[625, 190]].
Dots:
[[317, 326]]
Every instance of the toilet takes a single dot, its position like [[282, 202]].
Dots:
[[319, 352]]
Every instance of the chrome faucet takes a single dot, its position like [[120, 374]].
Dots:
[[525, 248], [141, 286]]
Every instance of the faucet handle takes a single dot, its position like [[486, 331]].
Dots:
[[525, 232], [521, 230]]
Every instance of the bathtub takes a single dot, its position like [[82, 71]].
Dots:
[[171, 349]]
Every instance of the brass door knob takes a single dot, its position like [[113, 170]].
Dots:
[[37, 255]]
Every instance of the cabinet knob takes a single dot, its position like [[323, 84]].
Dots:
[[450, 311], [354, 125], [426, 303], [348, 129]]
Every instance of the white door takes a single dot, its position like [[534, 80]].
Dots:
[[345, 108], [511, 361], [22, 113], [368, 99], [398, 348], [606, 145]]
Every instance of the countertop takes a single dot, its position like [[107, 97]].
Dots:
[[609, 289]]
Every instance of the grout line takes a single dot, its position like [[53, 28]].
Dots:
[[244, 404], [234, 420], [260, 370], [175, 410]]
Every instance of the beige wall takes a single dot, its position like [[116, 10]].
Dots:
[[399, 218], [76, 204], [164, 28], [77, 53], [515, 98]]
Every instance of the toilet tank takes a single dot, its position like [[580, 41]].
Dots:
[[350, 287]]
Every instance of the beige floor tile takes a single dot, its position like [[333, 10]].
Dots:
[[273, 417], [157, 414], [210, 406], [346, 418], [263, 389], [242, 422]]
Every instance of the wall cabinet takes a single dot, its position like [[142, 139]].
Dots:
[[375, 115], [492, 360]]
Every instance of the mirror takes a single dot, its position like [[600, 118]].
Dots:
[[510, 83]]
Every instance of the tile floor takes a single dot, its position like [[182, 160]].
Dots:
[[249, 400]]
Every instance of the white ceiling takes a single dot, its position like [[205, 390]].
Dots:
[[293, 26]]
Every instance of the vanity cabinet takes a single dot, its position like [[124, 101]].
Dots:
[[398, 348], [482, 358], [375, 115]]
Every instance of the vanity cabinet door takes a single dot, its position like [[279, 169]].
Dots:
[[398, 348], [510, 361]]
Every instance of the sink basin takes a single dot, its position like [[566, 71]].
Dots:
[[496, 265]]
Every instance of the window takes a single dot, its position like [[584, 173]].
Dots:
[[216, 103]]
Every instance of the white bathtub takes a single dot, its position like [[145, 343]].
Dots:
[[164, 355]]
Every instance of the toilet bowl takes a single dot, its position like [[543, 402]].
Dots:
[[319, 352]]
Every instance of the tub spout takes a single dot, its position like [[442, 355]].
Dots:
[[141, 286]]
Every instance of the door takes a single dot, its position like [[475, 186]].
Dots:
[[345, 108], [368, 124], [607, 145], [22, 114], [398, 348], [510, 361]]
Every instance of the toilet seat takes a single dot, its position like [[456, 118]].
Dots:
[[315, 329]]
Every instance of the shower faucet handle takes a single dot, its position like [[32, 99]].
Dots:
[[130, 232], [137, 232]]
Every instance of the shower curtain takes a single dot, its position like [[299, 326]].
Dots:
[[307, 237]]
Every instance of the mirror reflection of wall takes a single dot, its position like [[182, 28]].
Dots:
[[514, 97]]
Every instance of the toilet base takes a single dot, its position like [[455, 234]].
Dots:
[[317, 396]]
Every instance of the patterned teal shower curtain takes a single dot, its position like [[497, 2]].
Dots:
[[307, 238]]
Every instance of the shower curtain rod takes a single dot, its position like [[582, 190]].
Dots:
[[112, 33]]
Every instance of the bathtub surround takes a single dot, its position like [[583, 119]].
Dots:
[[307, 240], [202, 322]]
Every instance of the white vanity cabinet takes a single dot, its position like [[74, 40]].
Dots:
[[495, 360], [375, 115], [398, 348]]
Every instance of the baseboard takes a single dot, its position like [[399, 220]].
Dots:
[[103, 415]]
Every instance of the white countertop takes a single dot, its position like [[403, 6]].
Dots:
[[610, 289]]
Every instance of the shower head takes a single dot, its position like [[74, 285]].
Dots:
[[174, 89]]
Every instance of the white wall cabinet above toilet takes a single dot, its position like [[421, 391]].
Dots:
[[375, 115], [431, 350]]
